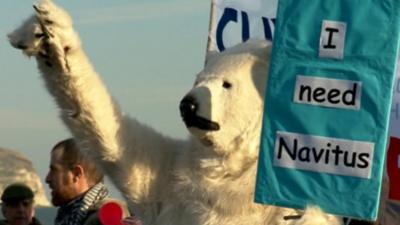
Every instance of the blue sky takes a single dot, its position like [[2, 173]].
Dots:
[[147, 53]]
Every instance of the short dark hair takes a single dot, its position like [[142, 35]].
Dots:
[[72, 156]]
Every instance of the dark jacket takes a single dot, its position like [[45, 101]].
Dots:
[[34, 222]]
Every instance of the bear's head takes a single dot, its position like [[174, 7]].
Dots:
[[224, 108]]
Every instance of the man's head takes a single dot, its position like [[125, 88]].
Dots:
[[17, 207], [71, 173]]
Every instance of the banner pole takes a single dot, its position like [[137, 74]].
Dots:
[[210, 25]]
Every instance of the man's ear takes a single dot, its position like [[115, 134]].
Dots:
[[78, 172]]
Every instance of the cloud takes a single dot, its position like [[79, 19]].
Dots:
[[141, 11]]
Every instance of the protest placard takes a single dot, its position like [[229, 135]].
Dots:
[[235, 21], [327, 105]]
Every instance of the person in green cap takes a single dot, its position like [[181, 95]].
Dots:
[[18, 205]]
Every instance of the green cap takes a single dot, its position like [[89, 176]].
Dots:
[[16, 191]]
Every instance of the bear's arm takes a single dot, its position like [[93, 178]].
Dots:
[[134, 155]]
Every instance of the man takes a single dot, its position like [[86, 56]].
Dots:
[[18, 205], [76, 185]]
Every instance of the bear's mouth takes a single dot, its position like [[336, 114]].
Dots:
[[188, 108], [200, 123]]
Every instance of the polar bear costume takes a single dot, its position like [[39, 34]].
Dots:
[[206, 180]]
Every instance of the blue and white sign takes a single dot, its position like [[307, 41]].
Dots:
[[236, 21], [327, 105]]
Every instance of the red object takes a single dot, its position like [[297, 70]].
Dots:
[[111, 214], [393, 168]]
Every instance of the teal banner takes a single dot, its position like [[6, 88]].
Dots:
[[327, 105]]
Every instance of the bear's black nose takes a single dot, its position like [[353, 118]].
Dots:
[[188, 107]]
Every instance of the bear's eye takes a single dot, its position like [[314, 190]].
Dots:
[[226, 85]]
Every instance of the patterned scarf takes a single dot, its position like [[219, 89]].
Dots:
[[76, 212]]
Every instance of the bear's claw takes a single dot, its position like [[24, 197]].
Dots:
[[43, 54], [39, 14], [21, 46], [40, 11]]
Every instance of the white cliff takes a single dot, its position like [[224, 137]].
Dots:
[[14, 167]]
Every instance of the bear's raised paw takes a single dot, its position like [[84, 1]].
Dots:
[[48, 33]]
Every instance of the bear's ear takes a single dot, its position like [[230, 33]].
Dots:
[[212, 54], [261, 49]]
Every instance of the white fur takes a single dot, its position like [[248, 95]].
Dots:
[[206, 180]]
